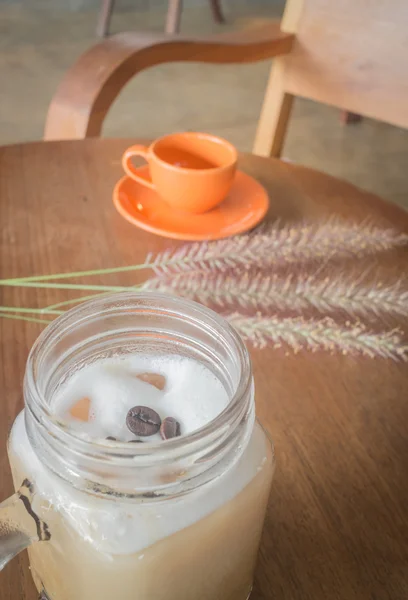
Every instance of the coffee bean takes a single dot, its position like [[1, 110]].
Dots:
[[143, 421], [170, 428], [112, 439]]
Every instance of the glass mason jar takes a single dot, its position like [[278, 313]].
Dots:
[[176, 520]]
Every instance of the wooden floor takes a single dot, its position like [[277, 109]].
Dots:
[[38, 45]]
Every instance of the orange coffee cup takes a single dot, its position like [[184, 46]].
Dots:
[[192, 172]]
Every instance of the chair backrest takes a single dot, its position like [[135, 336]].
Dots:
[[352, 54]]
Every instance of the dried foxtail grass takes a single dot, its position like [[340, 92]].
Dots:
[[262, 292], [278, 245], [273, 246], [300, 334], [223, 274]]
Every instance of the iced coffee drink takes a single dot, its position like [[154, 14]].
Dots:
[[144, 461]]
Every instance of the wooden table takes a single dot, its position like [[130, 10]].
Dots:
[[337, 525]]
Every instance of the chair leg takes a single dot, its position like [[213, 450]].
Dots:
[[173, 18], [216, 10], [102, 27], [347, 118], [276, 109]]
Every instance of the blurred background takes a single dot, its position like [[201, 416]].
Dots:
[[40, 39]]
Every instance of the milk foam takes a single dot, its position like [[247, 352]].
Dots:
[[194, 396]]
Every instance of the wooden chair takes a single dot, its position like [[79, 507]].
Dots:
[[353, 55], [173, 19]]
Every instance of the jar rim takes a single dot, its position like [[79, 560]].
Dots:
[[123, 452]]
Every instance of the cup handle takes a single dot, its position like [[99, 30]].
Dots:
[[19, 525], [137, 150]]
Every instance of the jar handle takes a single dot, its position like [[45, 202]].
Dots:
[[20, 526]]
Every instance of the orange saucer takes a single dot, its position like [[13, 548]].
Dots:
[[243, 208]]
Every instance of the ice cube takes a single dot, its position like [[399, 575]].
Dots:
[[155, 379], [81, 409]]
